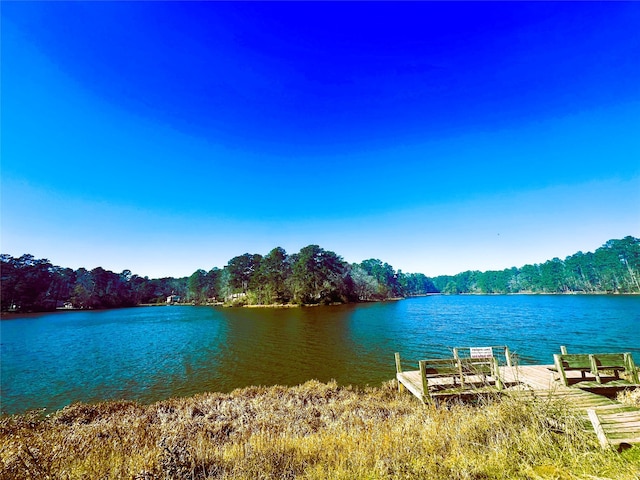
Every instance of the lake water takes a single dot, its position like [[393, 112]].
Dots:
[[152, 353]]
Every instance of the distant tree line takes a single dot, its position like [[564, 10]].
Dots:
[[612, 268], [30, 284], [312, 276]]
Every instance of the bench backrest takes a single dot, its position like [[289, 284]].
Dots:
[[614, 360], [571, 361], [442, 367], [575, 361]]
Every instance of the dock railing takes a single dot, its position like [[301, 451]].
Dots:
[[450, 377]]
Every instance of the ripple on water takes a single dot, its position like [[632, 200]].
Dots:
[[151, 353]]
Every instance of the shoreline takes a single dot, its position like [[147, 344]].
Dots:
[[8, 314]]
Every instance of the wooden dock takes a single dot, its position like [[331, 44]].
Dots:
[[615, 424]]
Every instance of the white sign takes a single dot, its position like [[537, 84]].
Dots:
[[481, 352]]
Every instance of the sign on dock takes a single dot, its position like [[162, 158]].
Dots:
[[481, 352]]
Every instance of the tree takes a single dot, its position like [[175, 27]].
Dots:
[[319, 276], [270, 280], [108, 289], [621, 261], [27, 284], [241, 270], [366, 287], [196, 287], [416, 283], [142, 290], [313, 275], [529, 278], [212, 282], [9, 278], [552, 276], [385, 275], [224, 284]]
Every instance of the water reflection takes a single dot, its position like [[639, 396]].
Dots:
[[285, 346]]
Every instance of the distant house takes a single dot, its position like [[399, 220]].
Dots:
[[171, 299], [235, 296]]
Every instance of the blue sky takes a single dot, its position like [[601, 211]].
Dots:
[[164, 137]]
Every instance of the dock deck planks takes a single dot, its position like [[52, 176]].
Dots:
[[620, 423]]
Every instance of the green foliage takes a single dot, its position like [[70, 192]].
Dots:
[[270, 281], [312, 276], [385, 275], [27, 281], [366, 286], [30, 285], [241, 270], [612, 268], [319, 276], [203, 287], [196, 287], [415, 284]]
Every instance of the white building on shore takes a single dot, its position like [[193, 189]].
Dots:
[[171, 299]]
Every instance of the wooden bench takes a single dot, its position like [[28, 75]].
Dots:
[[595, 365], [616, 363], [563, 351], [441, 368], [449, 377], [565, 362], [433, 376]]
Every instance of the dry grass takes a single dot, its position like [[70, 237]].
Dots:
[[313, 431], [630, 397]]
